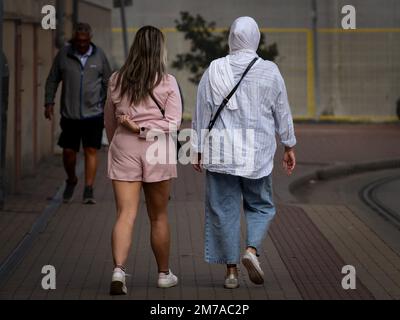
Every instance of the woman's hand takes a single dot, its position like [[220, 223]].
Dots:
[[289, 161], [197, 164], [125, 121]]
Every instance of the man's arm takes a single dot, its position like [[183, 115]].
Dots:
[[106, 73], [52, 82]]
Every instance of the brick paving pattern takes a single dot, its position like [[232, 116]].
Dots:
[[302, 256]]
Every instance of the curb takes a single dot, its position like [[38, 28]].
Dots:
[[361, 121], [336, 171], [368, 196]]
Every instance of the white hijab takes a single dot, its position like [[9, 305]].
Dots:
[[244, 37]]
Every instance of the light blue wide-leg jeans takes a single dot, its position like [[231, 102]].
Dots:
[[223, 201]]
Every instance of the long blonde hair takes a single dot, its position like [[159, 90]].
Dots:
[[145, 67]]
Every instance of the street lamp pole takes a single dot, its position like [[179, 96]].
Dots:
[[314, 10], [124, 30], [1, 106], [75, 12]]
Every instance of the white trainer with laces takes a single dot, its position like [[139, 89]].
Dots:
[[118, 286], [250, 261], [167, 280]]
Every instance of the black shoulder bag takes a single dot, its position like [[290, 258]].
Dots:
[[158, 104], [226, 100], [178, 147]]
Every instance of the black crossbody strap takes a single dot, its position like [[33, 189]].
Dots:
[[158, 104], [226, 100]]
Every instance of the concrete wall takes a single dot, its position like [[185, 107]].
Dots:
[[345, 60], [360, 71], [27, 10], [98, 16], [272, 13], [9, 50], [30, 51]]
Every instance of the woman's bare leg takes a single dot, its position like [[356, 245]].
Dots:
[[157, 196], [231, 269], [127, 196]]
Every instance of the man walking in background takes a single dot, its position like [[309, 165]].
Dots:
[[83, 69]]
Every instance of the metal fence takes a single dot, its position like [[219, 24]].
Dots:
[[356, 76]]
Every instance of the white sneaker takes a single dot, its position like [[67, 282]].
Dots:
[[250, 261], [167, 280], [118, 286], [231, 281]]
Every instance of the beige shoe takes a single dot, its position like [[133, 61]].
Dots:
[[250, 261], [231, 281]]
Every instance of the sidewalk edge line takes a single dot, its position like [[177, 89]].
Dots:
[[336, 171], [19, 252]]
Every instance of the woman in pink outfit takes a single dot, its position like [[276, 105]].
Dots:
[[143, 101]]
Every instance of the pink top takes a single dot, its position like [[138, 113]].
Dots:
[[146, 114]]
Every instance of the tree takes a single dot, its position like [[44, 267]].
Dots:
[[206, 45]]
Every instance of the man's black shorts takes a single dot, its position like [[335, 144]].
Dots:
[[89, 131]]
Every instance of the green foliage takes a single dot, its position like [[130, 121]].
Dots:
[[207, 45]]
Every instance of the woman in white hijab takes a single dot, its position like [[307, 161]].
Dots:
[[258, 109], [244, 39]]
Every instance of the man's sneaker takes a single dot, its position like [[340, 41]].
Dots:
[[69, 190], [88, 197], [167, 280], [231, 281], [250, 261], [118, 286]]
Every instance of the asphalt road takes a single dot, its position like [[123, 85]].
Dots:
[[389, 195], [351, 191]]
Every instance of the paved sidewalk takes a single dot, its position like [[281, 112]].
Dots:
[[22, 209], [303, 254]]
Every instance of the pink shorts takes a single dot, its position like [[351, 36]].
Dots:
[[131, 158]]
